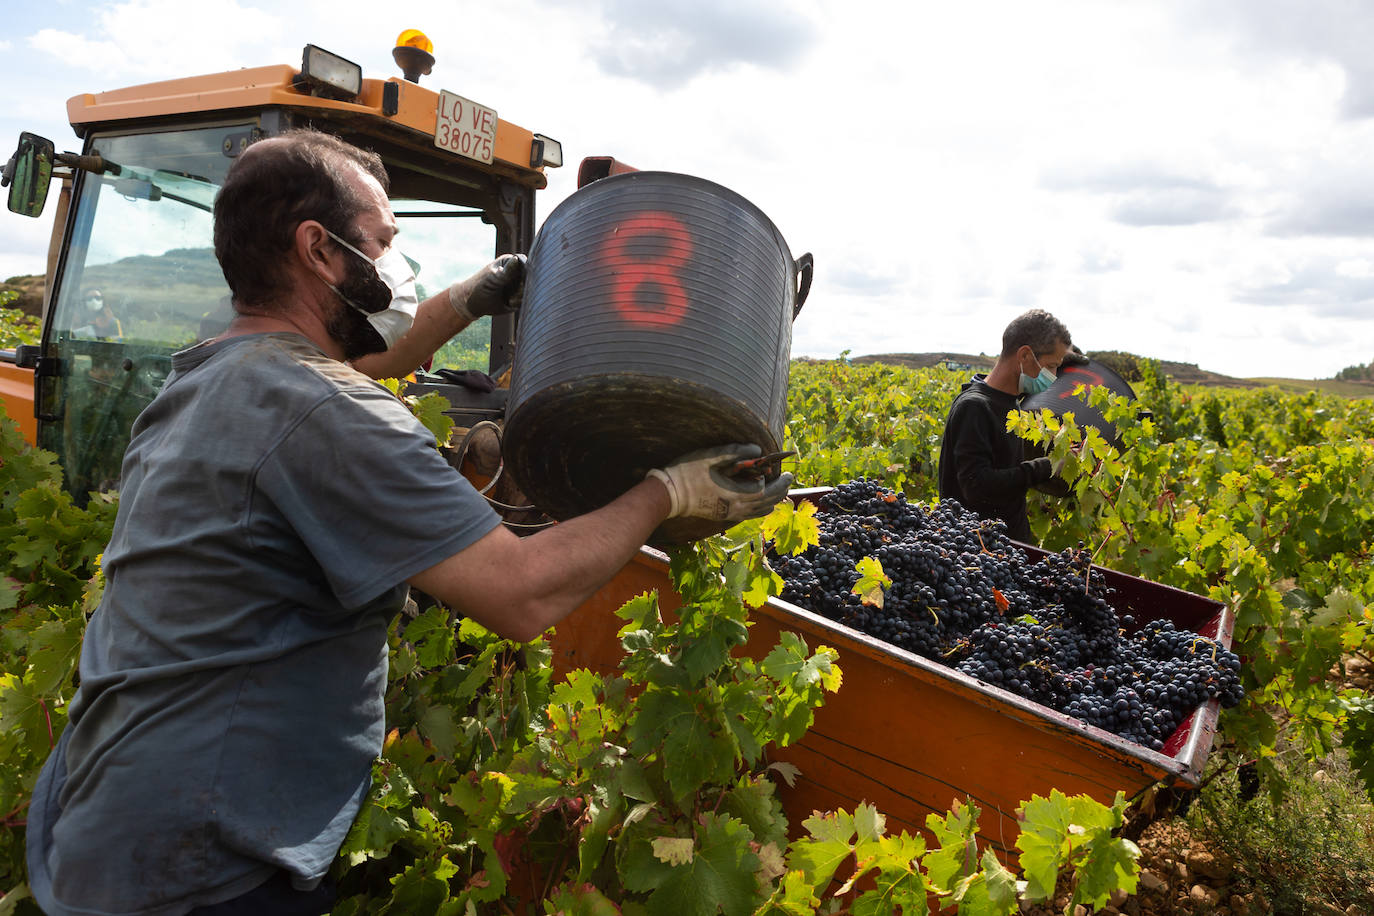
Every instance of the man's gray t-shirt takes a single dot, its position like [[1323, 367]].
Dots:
[[273, 503]]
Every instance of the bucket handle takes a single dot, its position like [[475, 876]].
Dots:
[[804, 266]]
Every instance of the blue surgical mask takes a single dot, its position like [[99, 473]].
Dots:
[[1039, 383], [396, 271]]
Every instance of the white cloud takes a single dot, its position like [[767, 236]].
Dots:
[[141, 39]]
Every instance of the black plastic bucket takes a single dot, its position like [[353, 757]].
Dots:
[[1060, 397], [657, 320]]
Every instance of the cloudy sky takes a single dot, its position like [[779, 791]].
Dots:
[[1186, 180]]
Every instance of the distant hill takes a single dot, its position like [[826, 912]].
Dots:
[[1181, 372], [183, 283], [1184, 373]]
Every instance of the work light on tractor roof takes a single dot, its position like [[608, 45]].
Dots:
[[329, 75]]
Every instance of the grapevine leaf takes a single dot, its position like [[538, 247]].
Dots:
[[789, 664], [761, 585], [641, 612], [895, 892], [474, 634], [708, 647], [787, 771], [754, 803], [578, 689], [792, 529], [955, 855], [872, 581], [869, 824], [1044, 829], [718, 878], [373, 834], [52, 662], [694, 750], [990, 891], [1358, 739], [10, 593], [633, 781], [1090, 814], [1340, 606], [530, 791], [674, 850], [438, 726], [1109, 863], [744, 533], [418, 890], [430, 409], [24, 709], [772, 863], [1298, 599], [830, 843], [581, 900], [432, 637], [595, 837]]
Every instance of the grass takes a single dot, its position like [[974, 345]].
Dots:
[[1309, 852]]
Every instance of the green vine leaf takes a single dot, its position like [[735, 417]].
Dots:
[[718, 878]]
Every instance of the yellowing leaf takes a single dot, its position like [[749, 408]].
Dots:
[[792, 529], [872, 581], [787, 771], [673, 850]]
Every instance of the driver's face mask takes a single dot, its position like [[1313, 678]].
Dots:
[[394, 270], [95, 302]]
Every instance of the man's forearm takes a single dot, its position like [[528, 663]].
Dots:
[[571, 560], [519, 587]]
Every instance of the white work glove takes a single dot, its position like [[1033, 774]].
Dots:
[[496, 289], [698, 486]]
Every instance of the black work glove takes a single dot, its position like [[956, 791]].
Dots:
[[468, 378], [1038, 470], [496, 289], [1072, 359]]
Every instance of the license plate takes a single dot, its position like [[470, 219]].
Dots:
[[465, 127]]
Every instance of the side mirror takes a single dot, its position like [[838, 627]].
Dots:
[[28, 173]]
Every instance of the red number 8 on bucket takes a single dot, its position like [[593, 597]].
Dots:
[[646, 253]]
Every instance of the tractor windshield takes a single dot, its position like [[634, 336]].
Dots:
[[140, 281]]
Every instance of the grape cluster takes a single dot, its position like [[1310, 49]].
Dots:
[[963, 594]]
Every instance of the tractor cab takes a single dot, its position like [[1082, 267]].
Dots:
[[133, 276]]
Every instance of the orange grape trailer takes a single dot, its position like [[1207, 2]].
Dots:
[[911, 736]]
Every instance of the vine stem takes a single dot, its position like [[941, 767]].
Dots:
[[48, 719], [12, 818]]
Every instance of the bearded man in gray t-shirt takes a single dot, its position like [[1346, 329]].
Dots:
[[276, 505]]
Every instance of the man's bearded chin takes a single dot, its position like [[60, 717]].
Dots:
[[349, 327]]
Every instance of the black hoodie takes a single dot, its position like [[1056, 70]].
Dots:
[[981, 464]]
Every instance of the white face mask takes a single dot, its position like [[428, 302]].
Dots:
[[394, 270]]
